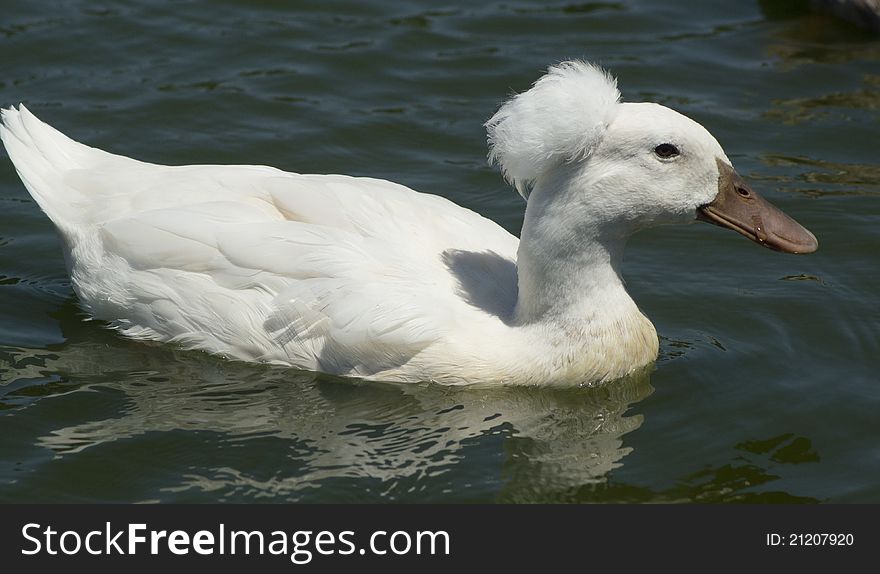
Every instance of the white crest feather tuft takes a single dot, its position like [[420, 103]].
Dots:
[[560, 119]]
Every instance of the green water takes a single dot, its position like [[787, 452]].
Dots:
[[766, 389]]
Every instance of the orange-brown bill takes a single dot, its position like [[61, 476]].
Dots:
[[739, 208]]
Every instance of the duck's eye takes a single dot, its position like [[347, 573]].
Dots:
[[666, 151]]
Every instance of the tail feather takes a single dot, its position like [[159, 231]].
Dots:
[[42, 155]]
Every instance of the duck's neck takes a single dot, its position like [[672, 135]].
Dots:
[[558, 284], [572, 301], [569, 266]]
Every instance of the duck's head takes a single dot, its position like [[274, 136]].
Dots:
[[626, 166]]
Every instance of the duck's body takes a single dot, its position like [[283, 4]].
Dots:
[[350, 276]]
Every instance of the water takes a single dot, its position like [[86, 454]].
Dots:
[[766, 388]]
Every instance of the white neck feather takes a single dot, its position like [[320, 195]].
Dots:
[[570, 283], [569, 259]]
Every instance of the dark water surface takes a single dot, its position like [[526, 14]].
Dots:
[[767, 385]]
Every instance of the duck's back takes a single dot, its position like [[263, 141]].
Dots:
[[325, 272]]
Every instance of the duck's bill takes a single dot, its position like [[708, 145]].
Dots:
[[739, 208]]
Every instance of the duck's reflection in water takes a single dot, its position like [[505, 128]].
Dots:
[[247, 432]]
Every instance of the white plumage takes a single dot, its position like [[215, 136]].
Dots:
[[367, 278]]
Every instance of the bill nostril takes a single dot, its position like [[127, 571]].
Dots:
[[743, 192]]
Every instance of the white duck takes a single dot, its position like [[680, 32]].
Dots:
[[366, 278]]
